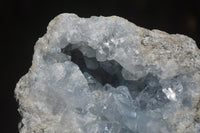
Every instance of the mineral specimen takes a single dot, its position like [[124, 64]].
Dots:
[[107, 75]]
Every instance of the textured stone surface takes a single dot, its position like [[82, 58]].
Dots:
[[107, 75]]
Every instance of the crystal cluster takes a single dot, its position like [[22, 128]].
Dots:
[[107, 75]]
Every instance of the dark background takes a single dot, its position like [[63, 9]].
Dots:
[[24, 21]]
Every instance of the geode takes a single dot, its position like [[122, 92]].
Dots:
[[107, 75]]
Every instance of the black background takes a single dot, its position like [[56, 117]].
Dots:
[[24, 21]]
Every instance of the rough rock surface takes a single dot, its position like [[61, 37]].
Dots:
[[107, 75]]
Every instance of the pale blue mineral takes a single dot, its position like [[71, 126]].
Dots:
[[107, 75]]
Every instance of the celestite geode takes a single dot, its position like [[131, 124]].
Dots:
[[107, 75]]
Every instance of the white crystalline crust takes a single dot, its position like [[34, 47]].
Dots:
[[107, 75]]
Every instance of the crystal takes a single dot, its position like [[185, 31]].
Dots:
[[107, 75]]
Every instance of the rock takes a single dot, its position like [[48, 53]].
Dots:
[[107, 75]]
